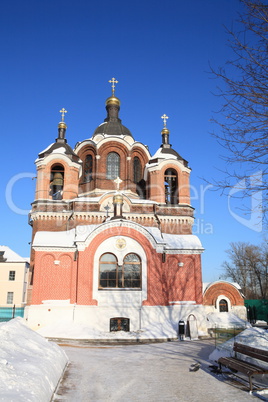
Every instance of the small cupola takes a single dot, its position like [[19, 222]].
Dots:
[[60, 145], [112, 124], [165, 133], [62, 127], [165, 151], [112, 104]]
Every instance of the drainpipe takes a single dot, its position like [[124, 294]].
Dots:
[[158, 221], [76, 258], [70, 217]]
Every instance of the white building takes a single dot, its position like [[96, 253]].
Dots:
[[13, 278]]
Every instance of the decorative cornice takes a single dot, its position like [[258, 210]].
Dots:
[[128, 216]]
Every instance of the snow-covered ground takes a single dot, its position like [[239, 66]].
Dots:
[[30, 366]]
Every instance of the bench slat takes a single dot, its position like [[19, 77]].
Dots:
[[242, 366], [256, 353]]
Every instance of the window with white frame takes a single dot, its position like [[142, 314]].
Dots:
[[12, 275], [10, 297], [113, 275]]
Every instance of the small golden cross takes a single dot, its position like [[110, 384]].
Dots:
[[164, 117], [118, 181], [113, 81], [63, 111]]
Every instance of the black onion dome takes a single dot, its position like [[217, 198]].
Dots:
[[112, 128], [112, 124]]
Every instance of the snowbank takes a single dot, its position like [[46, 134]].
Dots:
[[225, 320], [30, 366]]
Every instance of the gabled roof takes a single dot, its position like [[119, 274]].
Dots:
[[10, 255]]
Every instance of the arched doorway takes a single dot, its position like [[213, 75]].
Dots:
[[191, 327]]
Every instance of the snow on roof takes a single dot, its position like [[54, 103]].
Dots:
[[60, 150], [206, 285], [54, 239], [11, 256], [140, 200], [81, 232], [97, 199], [182, 242], [161, 155]]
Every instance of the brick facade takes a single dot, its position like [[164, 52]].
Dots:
[[226, 289], [156, 221]]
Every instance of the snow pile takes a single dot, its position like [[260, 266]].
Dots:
[[225, 320], [255, 337], [30, 366], [70, 330]]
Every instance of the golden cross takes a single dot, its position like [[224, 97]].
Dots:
[[164, 117], [63, 111], [113, 81], [117, 182]]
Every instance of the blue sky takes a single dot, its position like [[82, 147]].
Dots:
[[59, 53]]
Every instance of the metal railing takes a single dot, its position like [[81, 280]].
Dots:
[[7, 313], [222, 335]]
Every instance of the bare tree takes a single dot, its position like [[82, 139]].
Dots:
[[243, 117], [248, 266]]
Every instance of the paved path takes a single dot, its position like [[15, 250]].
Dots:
[[148, 372]]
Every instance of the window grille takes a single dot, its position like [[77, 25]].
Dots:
[[10, 296], [119, 324], [12, 275], [223, 306], [113, 275], [113, 166], [137, 170], [88, 169]]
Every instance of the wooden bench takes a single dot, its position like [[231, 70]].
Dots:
[[235, 363]]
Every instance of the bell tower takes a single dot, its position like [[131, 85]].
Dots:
[[58, 169]]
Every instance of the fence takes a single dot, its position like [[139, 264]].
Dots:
[[7, 313], [257, 310], [222, 335]]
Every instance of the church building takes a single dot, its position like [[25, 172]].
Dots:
[[112, 243]]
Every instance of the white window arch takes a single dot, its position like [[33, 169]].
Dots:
[[221, 301]]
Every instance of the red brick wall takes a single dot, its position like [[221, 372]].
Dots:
[[166, 281], [222, 288], [51, 281]]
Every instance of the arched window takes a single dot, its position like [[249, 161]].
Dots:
[[112, 166], [137, 173], [137, 178], [113, 275], [108, 271], [56, 182], [132, 271], [88, 168], [223, 306], [171, 186]]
